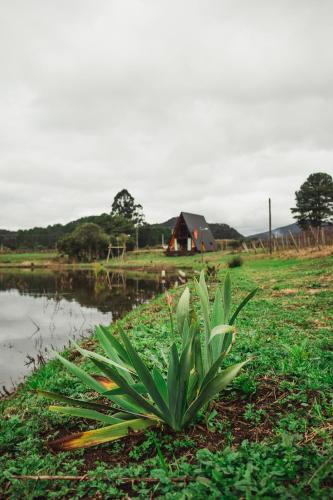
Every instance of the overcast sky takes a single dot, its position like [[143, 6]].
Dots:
[[203, 106]]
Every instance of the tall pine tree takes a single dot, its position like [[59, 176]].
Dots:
[[314, 201]]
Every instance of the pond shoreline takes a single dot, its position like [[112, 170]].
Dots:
[[43, 308], [92, 266]]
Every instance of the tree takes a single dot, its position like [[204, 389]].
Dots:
[[120, 225], [124, 205], [151, 235], [86, 243], [314, 201]]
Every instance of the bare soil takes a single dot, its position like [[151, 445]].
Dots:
[[231, 414]]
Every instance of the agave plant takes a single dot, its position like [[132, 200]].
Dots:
[[218, 320], [135, 397]]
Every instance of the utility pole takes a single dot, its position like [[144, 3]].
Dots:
[[270, 225]]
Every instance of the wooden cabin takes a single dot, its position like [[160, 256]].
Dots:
[[191, 234]]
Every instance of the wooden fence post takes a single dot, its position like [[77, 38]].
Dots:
[[254, 246], [262, 245], [244, 245], [282, 241], [109, 252], [294, 241], [316, 237]]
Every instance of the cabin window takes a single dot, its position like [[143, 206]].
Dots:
[[189, 244], [176, 245]]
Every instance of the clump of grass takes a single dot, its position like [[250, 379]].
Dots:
[[236, 261]]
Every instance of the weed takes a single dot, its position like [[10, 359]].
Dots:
[[236, 261], [254, 415]]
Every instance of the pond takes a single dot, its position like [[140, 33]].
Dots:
[[41, 310]]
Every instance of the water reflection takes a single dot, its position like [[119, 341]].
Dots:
[[43, 309]]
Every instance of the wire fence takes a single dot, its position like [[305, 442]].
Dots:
[[311, 238]]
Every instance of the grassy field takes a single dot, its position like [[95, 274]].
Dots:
[[157, 259], [154, 259], [26, 258], [268, 436], [151, 260]]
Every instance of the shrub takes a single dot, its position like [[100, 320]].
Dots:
[[236, 261], [135, 396], [86, 243], [212, 270]]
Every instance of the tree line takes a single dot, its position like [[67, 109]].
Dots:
[[88, 238]]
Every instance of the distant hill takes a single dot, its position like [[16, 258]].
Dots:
[[40, 238], [47, 237], [149, 235], [170, 223], [220, 231], [279, 231], [224, 232]]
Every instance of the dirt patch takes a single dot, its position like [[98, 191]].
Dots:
[[305, 253], [313, 291], [317, 434], [285, 291], [325, 279], [241, 417], [232, 419], [238, 417], [320, 324]]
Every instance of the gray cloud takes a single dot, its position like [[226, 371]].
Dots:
[[202, 106]]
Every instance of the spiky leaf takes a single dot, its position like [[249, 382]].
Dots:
[[111, 346], [84, 413], [227, 298], [214, 387], [87, 379], [183, 310], [141, 404], [74, 402], [220, 339], [102, 435], [217, 313], [146, 378], [242, 305]]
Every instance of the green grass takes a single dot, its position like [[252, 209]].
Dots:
[[137, 259], [158, 259], [20, 258], [283, 400], [147, 260]]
